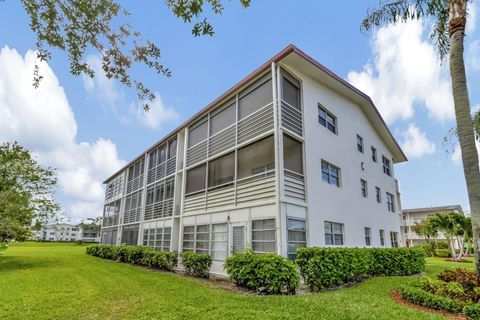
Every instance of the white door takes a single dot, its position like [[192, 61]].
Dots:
[[238, 238]]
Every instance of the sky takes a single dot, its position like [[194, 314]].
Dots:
[[88, 128]]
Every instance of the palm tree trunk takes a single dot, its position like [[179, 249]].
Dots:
[[465, 131]]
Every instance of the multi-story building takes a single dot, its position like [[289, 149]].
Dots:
[[65, 232], [291, 156], [413, 216]]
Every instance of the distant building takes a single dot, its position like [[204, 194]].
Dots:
[[413, 216], [66, 232]]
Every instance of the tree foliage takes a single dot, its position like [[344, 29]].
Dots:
[[26, 192], [77, 26], [91, 224]]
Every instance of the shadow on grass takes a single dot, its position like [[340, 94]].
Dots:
[[15, 263]]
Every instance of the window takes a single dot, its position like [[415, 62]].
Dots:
[[169, 188], [330, 173], [327, 119], [115, 187], [202, 239], [135, 170], [152, 159], [297, 236], [390, 202], [394, 239], [172, 148], [292, 154], [359, 143], [374, 154], [206, 239], [150, 195], [378, 194], [333, 233], [219, 242], [161, 154], [368, 236], [221, 171], [188, 238], [111, 214], [264, 236], [222, 118], [386, 166], [130, 235], [255, 97], [198, 132], [196, 179], [159, 192], [256, 158], [291, 91], [364, 188]]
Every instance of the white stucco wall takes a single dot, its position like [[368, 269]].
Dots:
[[344, 204]]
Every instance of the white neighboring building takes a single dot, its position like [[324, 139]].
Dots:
[[291, 156], [66, 232], [413, 216]]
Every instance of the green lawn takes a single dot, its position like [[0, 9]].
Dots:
[[60, 281]]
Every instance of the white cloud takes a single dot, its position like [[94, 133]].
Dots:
[[472, 55], [472, 17], [415, 142], [111, 95], [43, 121], [405, 72], [156, 116]]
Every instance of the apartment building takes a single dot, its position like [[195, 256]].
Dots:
[[291, 156], [66, 232], [411, 217]]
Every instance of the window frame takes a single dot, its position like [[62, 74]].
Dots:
[[291, 255], [378, 194], [333, 123], [382, 237], [364, 188], [394, 239], [374, 154], [390, 204], [333, 234], [330, 166], [387, 166], [274, 229], [368, 236], [360, 144]]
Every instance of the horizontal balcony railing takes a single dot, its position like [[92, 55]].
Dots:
[[291, 118], [294, 185]]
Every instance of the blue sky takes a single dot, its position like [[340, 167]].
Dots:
[[89, 128]]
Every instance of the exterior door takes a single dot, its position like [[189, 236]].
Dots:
[[238, 238]]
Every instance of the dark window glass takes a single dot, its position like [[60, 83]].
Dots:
[[292, 154], [198, 132], [254, 98], [221, 170], [256, 158], [222, 118], [291, 93], [196, 179]]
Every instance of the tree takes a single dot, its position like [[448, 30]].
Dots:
[[445, 223], [450, 17], [75, 27], [92, 225], [427, 229], [26, 192]]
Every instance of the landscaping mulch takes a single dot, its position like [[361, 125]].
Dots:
[[395, 295]]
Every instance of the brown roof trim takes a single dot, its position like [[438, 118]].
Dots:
[[264, 67]]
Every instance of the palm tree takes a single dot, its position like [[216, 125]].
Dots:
[[427, 229], [446, 223], [450, 18]]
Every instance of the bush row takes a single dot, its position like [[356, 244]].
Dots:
[[269, 273], [329, 267], [194, 264], [430, 300]]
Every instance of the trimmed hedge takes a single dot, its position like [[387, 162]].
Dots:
[[197, 265], [442, 253], [145, 256], [264, 272], [421, 297], [472, 311], [329, 267]]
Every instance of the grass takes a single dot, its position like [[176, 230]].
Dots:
[[60, 281]]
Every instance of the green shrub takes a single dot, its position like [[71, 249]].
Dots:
[[164, 260], [441, 245], [397, 261], [431, 285], [468, 280], [428, 248], [472, 311], [328, 267], [421, 297], [442, 253], [269, 272], [197, 265]]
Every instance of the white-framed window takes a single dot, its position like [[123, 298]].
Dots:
[[219, 241], [202, 239], [188, 238], [390, 202], [297, 236], [387, 167], [333, 233], [368, 236], [382, 237], [327, 119], [364, 188], [359, 143], [330, 173], [374, 154], [264, 239], [394, 239], [207, 239], [378, 194]]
